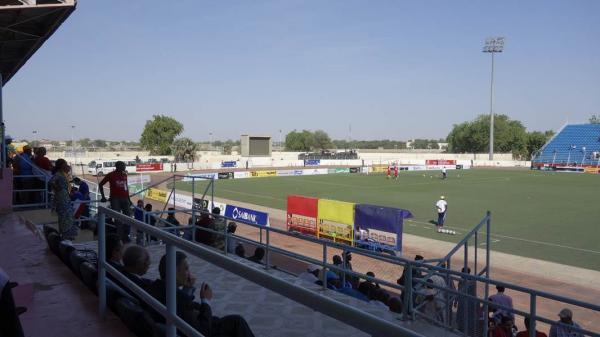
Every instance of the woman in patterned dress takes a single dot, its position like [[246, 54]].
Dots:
[[61, 187]]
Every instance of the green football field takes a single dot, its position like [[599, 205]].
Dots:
[[545, 215]]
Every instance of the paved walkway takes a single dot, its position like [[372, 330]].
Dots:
[[58, 303]]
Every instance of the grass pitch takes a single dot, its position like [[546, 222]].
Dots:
[[544, 215]]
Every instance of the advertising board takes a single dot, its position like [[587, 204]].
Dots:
[[302, 214], [336, 220], [241, 175], [225, 175], [156, 194], [260, 174], [229, 164], [246, 215], [312, 162], [149, 167]]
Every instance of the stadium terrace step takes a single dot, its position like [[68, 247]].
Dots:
[[57, 301]]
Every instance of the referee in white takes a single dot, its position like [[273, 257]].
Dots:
[[441, 206]]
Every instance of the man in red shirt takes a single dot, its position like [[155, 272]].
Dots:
[[526, 332], [41, 160], [119, 196]]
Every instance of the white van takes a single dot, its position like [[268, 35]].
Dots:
[[102, 167]]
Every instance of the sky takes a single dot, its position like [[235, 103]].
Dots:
[[356, 69]]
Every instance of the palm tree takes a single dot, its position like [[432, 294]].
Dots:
[[185, 150]]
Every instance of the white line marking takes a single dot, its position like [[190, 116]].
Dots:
[[527, 240]]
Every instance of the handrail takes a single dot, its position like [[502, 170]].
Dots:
[[342, 312]]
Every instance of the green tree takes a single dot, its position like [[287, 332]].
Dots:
[[99, 143], [321, 140], [536, 139], [159, 134], [299, 141], [473, 137], [85, 142], [594, 119], [185, 150]]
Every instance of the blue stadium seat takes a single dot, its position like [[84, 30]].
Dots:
[[574, 145]]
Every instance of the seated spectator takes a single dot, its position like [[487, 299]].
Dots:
[[526, 332], [204, 236], [188, 233], [84, 207], [136, 262], [114, 251], [240, 250], [379, 297], [415, 274], [566, 318], [337, 261], [503, 300], [10, 325], [150, 219], [219, 224], [171, 219], [198, 315], [374, 284], [138, 210], [311, 274], [395, 305], [259, 253], [41, 161], [231, 241]]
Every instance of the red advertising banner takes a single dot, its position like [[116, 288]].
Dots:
[[302, 214], [148, 167], [440, 162]]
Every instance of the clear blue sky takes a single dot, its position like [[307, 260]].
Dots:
[[391, 69]]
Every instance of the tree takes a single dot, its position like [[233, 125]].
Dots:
[[85, 142], [473, 137], [595, 119], [321, 140], [299, 141], [185, 150], [159, 134], [99, 143], [535, 141]]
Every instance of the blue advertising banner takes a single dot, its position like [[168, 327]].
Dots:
[[228, 164], [312, 162], [247, 215], [378, 226]]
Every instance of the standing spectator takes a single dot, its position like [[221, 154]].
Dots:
[[198, 315], [503, 300], [231, 241], [441, 207], [138, 214], [560, 330], [119, 196], [219, 224], [259, 253], [62, 199], [84, 190], [466, 312], [526, 332]]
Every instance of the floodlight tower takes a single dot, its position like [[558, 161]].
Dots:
[[493, 45]]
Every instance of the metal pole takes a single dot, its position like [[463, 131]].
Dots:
[[492, 111], [475, 266], [101, 262], [267, 253], [3, 155], [194, 210], [583, 159], [487, 273], [407, 291], [532, 312], [171, 289], [324, 270]]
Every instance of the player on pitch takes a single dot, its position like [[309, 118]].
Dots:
[[396, 172], [441, 206]]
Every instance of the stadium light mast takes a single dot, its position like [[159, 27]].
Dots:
[[493, 45]]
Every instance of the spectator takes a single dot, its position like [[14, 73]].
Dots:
[[187, 233], [439, 297], [198, 315], [62, 200], [337, 262], [171, 220], [84, 189], [526, 332], [119, 196], [311, 274], [138, 210], [219, 224], [565, 329], [395, 305], [136, 262], [114, 251], [41, 161], [503, 300], [415, 274], [259, 253], [379, 297], [240, 250], [368, 284], [10, 325], [150, 218], [202, 234], [231, 241], [466, 312], [23, 167]]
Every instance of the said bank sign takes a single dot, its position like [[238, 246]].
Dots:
[[247, 215]]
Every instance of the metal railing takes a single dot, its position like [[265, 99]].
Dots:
[[31, 191], [337, 310]]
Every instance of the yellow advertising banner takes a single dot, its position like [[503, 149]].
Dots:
[[263, 173], [380, 168], [592, 170], [336, 220], [156, 194]]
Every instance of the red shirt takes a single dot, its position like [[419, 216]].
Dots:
[[43, 163], [118, 184], [526, 334]]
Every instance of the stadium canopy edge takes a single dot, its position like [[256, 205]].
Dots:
[[24, 27]]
